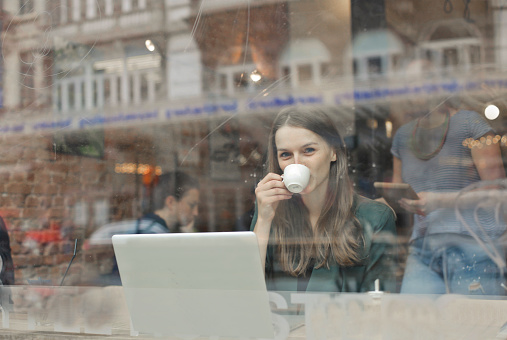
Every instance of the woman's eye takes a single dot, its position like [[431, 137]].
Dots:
[[284, 155], [309, 150]]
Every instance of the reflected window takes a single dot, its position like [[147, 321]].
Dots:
[[475, 54], [119, 89], [95, 97], [235, 79], [302, 62], [107, 91], [375, 66], [305, 73], [72, 96], [451, 45], [450, 57], [144, 86], [375, 53]]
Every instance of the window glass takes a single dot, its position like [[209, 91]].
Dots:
[[186, 117], [375, 65], [305, 73]]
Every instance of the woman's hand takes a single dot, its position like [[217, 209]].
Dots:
[[269, 192], [426, 203]]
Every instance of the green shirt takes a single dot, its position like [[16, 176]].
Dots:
[[379, 253]]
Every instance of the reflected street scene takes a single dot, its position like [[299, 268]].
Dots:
[[297, 167]]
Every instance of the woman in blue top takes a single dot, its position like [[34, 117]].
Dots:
[[433, 156], [325, 238]]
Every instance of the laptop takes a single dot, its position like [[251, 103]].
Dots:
[[195, 284]]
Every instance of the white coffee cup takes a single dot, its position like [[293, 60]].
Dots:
[[296, 177]]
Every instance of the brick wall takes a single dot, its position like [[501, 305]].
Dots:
[[38, 193]]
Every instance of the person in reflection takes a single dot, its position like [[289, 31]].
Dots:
[[325, 238], [432, 155], [176, 207], [176, 203]]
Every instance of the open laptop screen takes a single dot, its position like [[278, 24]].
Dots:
[[199, 284]]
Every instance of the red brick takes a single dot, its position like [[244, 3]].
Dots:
[[57, 201], [5, 201], [18, 188], [17, 237], [58, 167], [62, 258], [72, 178], [90, 177], [13, 224], [46, 188], [70, 200], [32, 201], [33, 212], [30, 177], [30, 154], [18, 201], [58, 178], [45, 201], [12, 156], [52, 248], [48, 260], [74, 167], [70, 189], [10, 212], [15, 248], [56, 212], [18, 176], [42, 177], [45, 155], [34, 260], [5, 176], [91, 166], [19, 261]]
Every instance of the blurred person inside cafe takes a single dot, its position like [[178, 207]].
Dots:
[[172, 207]]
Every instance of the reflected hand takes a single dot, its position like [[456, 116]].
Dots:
[[269, 192], [425, 204]]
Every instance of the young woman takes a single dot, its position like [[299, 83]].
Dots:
[[325, 238], [431, 154]]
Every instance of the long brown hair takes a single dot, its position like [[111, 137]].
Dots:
[[337, 235]]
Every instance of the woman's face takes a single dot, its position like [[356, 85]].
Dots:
[[302, 146]]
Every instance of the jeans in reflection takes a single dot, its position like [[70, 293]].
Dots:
[[451, 263]]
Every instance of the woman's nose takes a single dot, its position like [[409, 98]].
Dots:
[[296, 159]]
